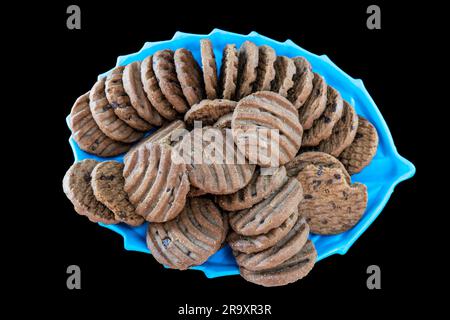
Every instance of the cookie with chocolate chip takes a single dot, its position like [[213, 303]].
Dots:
[[266, 68], [303, 82], [189, 75], [315, 104], [284, 74], [247, 69], [209, 111], [228, 72], [209, 68]]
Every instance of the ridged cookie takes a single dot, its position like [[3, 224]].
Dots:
[[269, 213], [209, 111], [105, 117], [119, 99], [88, 135], [363, 148], [209, 68], [266, 69], [289, 271], [228, 72], [266, 129], [315, 104], [343, 133], [247, 69], [303, 82], [262, 185], [330, 204], [191, 238], [108, 185], [154, 92], [77, 187], [323, 126], [284, 74], [165, 72], [156, 182], [189, 75]]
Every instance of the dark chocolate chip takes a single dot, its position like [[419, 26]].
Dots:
[[110, 178], [87, 177], [358, 135], [326, 119], [337, 176], [308, 196]]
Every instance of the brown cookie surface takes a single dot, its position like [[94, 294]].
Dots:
[[303, 82], [228, 72], [108, 185], [266, 129], [88, 135], [190, 76], [223, 171], [343, 133], [262, 185], [269, 213], [281, 251], [363, 148], [119, 99], [266, 69], [191, 238], [224, 121], [209, 111], [323, 126], [319, 159], [315, 104], [209, 68], [165, 72], [289, 271], [133, 86], [330, 204], [105, 117], [284, 73], [252, 244], [156, 182], [77, 187], [154, 92], [247, 69]]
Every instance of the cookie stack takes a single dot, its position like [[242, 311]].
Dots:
[[264, 202]]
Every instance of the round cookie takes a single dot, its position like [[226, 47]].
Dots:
[[343, 133], [191, 238], [105, 117], [224, 122], [247, 69], [209, 68], [330, 204], [120, 101], [165, 72], [266, 129], [208, 111], [363, 148], [284, 74], [108, 186], [215, 172], [303, 82], [315, 104], [262, 185], [77, 187], [170, 134], [323, 126], [281, 251], [269, 213], [153, 91], [251, 244], [228, 72], [319, 159], [156, 182], [133, 86], [289, 271], [266, 69], [88, 135], [189, 75]]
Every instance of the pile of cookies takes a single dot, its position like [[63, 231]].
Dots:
[[265, 206]]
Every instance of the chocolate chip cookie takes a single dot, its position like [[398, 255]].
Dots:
[[247, 69], [228, 72], [209, 68], [284, 74], [266, 68], [189, 75], [315, 104], [303, 82], [209, 111]]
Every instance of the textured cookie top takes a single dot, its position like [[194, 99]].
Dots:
[[363, 148], [108, 186], [190, 76], [191, 238], [105, 117], [88, 135], [209, 68], [315, 104], [303, 82], [229, 72], [247, 69], [284, 74], [156, 182], [209, 111], [266, 69], [266, 128], [215, 164], [224, 122]]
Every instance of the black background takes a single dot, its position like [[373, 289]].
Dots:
[[113, 278]]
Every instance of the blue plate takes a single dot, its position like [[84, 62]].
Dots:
[[385, 171]]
